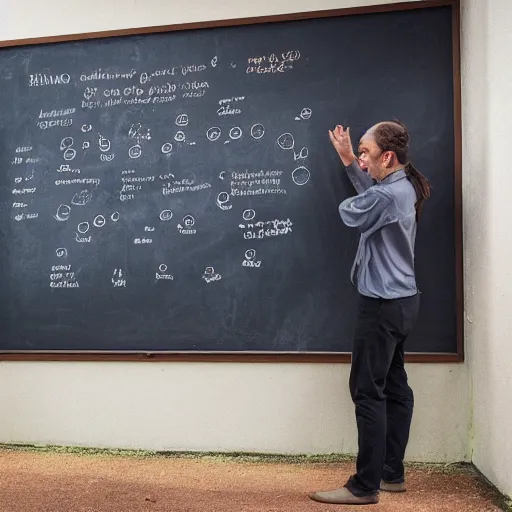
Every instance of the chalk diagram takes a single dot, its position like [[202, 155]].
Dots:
[[135, 151], [63, 212], [83, 227], [213, 133], [189, 221], [165, 215], [235, 133], [302, 155], [301, 175], [103, 143], [66, 143], [257, 131], [179, 137], [115, 217], [182, 120], [210, 275], [249, 214], [250, 259], [81, 198], [305, 114], [99, 221], [66, 146], [61, 252], [166, 148], [286, 141], [223, 201]]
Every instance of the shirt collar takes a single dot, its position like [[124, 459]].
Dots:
[[394, 176]]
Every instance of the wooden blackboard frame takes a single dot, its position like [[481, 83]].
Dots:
[[285, 357]]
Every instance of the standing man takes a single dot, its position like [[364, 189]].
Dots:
[[391, 193]]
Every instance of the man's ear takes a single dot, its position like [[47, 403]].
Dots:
[[388, 158]]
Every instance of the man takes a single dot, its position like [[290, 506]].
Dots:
[[386, 210]]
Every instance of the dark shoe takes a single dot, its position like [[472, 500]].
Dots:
[[385, 486], [343, 497]]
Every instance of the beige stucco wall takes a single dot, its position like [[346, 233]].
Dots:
[[275, 407], [487, 86]]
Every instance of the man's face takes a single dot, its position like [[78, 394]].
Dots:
[[370, 155]]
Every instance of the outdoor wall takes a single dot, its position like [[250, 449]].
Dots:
[[286, 408], [487, 105]]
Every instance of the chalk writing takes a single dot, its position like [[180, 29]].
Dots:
[[169, 189], [272, 63], [163, 274], [62, 276], [188, 223], [210, 275], [250, 259], [42, 79], [270, 228], [118, 280]]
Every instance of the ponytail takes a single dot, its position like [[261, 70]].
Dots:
[[421, 187]]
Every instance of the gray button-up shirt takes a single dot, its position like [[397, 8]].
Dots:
[[385, 215]]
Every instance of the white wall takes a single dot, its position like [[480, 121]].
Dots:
[[186, 406], [487, 46]]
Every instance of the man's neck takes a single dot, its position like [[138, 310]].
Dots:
[[389, 171]]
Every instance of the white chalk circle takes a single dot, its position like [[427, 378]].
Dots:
[[235, 133], [189, 221], [182, 120], [166, 148], [305, 113], [257, 131], [135, 151], [99, 221], [249, 214], [166, 215], [250, 254], [69, 154], [213, 133], [163, 267], [222, 200], [286, 141], [83, 227], [63, 212], [103, 143], [66, 143], [115, 216], [209, 271], [86, 128], [179, 137], [61, 252], [300, 176]]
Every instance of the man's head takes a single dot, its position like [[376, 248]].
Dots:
[[384, 148]]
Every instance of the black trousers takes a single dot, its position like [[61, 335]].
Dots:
[[382, 396]]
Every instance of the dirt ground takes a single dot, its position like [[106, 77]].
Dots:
[[61, 482]]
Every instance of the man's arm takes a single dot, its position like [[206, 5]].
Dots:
[[359, 178], [369, 211], [340, 139]]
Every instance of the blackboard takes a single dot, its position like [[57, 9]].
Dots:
[[176, 191]]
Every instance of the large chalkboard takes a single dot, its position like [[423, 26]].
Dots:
[[177, 191]]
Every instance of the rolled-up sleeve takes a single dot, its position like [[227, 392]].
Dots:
[[369, 211]]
